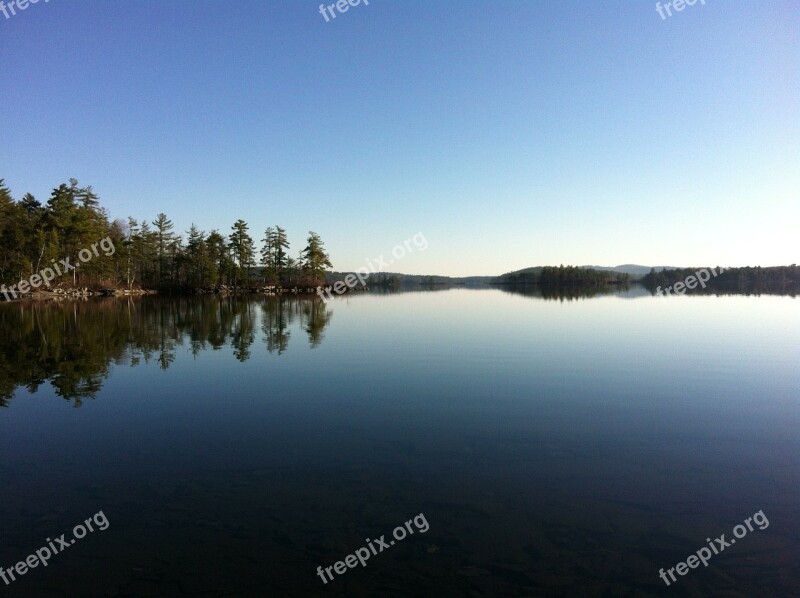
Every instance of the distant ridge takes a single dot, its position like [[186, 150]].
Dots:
[[636, 272]]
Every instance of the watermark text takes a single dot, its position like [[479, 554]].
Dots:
[[373, 548], [718, 545], [45, 553]]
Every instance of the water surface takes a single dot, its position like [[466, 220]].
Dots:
[[556, 447]]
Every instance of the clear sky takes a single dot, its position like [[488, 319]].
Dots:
[[510, 133]]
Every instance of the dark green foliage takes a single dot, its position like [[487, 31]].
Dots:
[[147, 255], [747, 279], [314, 260], [564, 276], [274, 256], [33, 236], [389, 281], [242, 252]]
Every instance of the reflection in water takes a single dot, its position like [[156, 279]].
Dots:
[[570, 293], [561, 293], [547, 292], [72, 345], [557, 449]]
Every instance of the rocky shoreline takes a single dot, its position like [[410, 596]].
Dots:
[[223, 290], [75, 293], [273, 290]]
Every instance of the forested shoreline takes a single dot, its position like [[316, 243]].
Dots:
[[143, 255], [152, 256], [776, 279], [564, 276], [773, 279]]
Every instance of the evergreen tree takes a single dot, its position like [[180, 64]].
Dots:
[[243, 251], [281, 245], [274, 254], [268, 257], [220, 257], [315, 260], [129, 245], [164, 239]]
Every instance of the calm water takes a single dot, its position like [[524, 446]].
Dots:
[[555, 447]]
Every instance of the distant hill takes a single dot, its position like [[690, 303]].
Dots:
[[634, 270], [413, 279], [566, 276]]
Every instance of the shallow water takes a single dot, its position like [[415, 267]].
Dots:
[[555, 447]]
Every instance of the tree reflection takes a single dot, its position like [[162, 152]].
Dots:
[[315, 317], [275, 323], [72, 345], [562, 292]]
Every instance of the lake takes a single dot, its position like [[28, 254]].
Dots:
[[552, 445]]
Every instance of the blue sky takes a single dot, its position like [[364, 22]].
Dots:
[[510, 134]]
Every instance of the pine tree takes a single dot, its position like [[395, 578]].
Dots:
[[315, 260], [164, 238], [268, 257], [243, 251], [219, 255]]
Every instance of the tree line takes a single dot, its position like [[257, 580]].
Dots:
[[149, 255], [564, 276], [751, 279]]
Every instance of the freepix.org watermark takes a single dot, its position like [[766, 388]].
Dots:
[[365, 552], [14, 5], [677, 6], [341, 6], [45, 553], [690, 282], [48, 274], [360, 276], [717, 546]]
